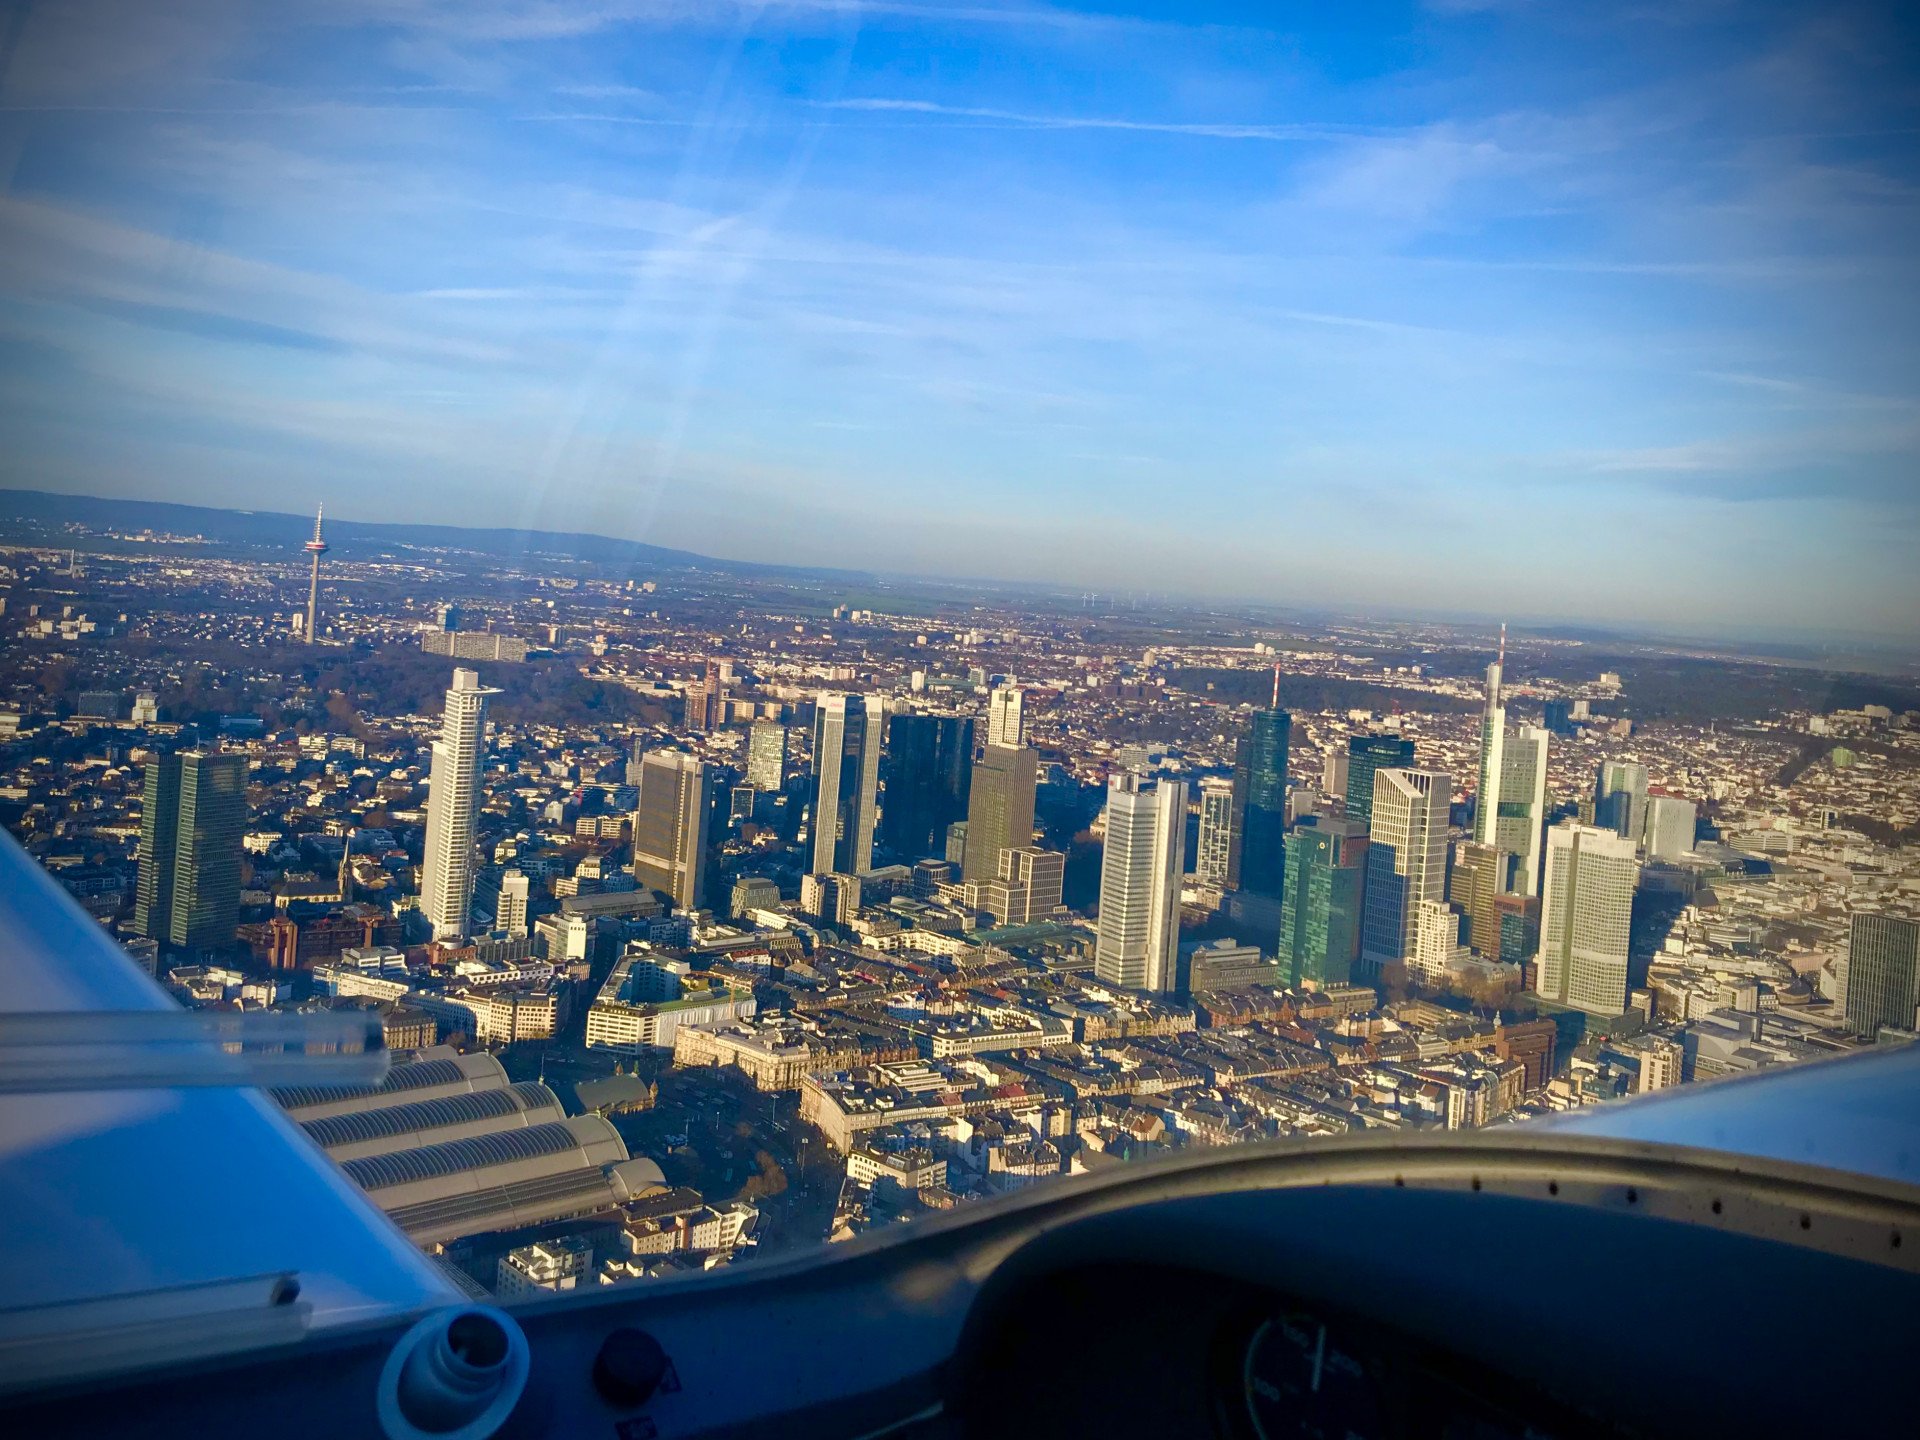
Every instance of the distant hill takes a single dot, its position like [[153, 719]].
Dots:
[[271, 529]]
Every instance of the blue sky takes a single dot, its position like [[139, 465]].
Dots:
[[1549, 309]]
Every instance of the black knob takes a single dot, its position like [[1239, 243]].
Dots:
[[629, 1367]]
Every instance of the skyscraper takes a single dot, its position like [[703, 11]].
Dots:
[[1479, 878], [999, 809], [1620, 798], [1586, 918], [846, 781], [1138, 940], [1406, 859], [1511, 805], [187, 893], [453, 800], [1669, 827], [315, 547], [1212, 864], [767, 757], [1883, 973], [928, 772], [1321, 912], [1258, 864], [670, 826], [1366, 755], [1007, 717]]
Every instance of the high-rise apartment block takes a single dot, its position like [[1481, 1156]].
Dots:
[[767, 757], [1139, 925]]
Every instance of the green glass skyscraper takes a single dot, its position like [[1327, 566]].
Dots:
[[1883, 973], [1365, 755], [195, 810], [1326, 864], [1256, 861]]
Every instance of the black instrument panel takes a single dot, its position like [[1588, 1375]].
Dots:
[[1148, 1350]]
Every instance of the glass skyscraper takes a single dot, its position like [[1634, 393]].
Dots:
[[928, 773], [1367, 754], [846, 781], [1257, 860], [1321, 913], [188, 890]]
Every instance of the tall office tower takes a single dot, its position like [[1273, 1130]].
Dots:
[[671, 825], [1138, 944], [636, 760], [1212, 865], [1586, 916], [1007, 717], [1511, 817], [956, 853], [1258, 864], [1367, 755], [767, 757], [1620, 798], [846, 781], [453, 802], [1479, 878], [1436, 939], [1883, 973], [1511, 806], [1669, 827], [1406, 860], [1321, 912], [315, 547], [187, 894], [1000, 809], [1558, 717], [1333, 775], [928, 772], [707, 701], [1493, 733]]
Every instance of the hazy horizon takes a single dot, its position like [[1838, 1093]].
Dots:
[[1568, 313]]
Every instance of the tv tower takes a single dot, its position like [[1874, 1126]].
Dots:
[[316, 547]]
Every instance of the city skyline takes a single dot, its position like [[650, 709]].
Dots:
[[608, 272]]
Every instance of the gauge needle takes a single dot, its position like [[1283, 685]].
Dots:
[[1319, 1356]]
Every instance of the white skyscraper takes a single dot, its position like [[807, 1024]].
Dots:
[[510, 914], [1406, 860], [1510, 809], [1214, 862], [1006, 717], [1670, 826], [453, 798], [1139, 927], [1436, 939], [1586, 916]]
